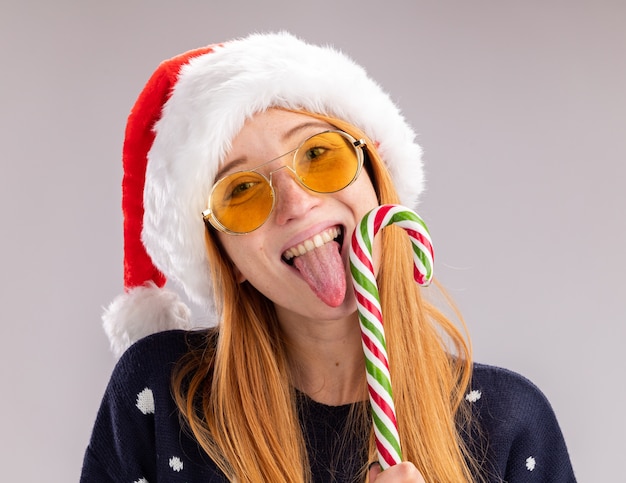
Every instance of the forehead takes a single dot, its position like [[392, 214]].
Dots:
[[267, 135], [277, 125]]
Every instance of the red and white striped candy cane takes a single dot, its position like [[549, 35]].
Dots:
[[370, 315]]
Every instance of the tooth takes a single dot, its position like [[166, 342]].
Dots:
[[312, 243]]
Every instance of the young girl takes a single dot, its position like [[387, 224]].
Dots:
[[247, 167]]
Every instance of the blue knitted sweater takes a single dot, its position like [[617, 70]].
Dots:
[[138, 437]]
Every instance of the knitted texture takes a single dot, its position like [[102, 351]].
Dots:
[[138, 437]]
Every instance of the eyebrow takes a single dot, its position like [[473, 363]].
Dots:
[[285, 137]]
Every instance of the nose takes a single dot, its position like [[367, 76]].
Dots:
[[292, 199]]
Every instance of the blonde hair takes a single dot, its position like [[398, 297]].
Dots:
[[235, 393]]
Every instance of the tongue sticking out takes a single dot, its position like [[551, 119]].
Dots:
[[323, 270]]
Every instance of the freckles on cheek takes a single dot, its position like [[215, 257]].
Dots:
[[249, 258]]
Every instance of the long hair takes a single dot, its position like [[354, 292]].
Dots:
[[235, 395]]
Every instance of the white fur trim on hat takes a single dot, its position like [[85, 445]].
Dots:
[[214, 95]]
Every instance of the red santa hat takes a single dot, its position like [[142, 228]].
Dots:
[[181, 128]]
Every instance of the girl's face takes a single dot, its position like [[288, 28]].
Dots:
[[315, 284]]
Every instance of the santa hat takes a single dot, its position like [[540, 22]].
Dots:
[[180, 129]]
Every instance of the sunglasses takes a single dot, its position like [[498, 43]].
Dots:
[[327, 162]]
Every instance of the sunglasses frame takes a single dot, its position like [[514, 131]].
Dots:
[[357, 144]]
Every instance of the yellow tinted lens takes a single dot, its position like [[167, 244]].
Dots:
[[241, 202], [327, 162]]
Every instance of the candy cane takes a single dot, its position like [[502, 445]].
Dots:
[[371, 320]]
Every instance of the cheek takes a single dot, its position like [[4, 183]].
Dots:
[[366, 197], [231, 247], [246, 252]]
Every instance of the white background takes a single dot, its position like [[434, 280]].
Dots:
[[521, 109]]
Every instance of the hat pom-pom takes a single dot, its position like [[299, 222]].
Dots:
[[143, 311]]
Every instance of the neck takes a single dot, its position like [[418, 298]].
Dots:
[[326, 357]]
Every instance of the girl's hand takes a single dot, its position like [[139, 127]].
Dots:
[[404, 471]]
